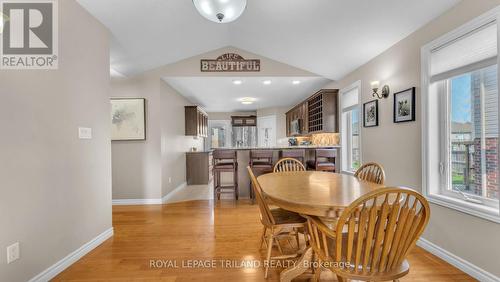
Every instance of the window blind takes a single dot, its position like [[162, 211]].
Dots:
[[474, 50], [350, 98]]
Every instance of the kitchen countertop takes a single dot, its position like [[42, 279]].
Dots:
[[275, 148]]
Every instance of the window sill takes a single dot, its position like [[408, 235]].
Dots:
[[348, 172], [477, 210]]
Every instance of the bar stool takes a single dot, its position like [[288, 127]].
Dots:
[[225, 161], [299, 154], [261, 162], [324, 160]]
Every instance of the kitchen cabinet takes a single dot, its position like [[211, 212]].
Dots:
[[199, 168], [196, 121], [244, 120], [322, 110], [298, 115], [317, 114]]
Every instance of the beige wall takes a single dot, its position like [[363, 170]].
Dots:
[[55, 190], [398, 146], [174, 143], [141, 169], [137, 164]]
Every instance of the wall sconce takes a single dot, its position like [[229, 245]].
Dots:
[[385, 90]]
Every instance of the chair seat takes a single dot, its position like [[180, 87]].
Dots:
[[255, 163], [282, 216], [326, 165], [223, 165]]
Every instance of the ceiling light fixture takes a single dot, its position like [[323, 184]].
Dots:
[[266, 82], [295, 82], [247, 100], [237, 82], [220, 11]]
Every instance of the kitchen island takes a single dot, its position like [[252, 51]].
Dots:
[[243, 154]]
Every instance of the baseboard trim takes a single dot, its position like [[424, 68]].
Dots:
[[126, 202], [467, 267], [171, 193], [67, 261]]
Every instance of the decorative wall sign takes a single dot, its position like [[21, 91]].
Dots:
[[128, 119], [230, 62], [404, 105], [370, 113]]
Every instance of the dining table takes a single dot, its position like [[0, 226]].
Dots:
[[312, 193]]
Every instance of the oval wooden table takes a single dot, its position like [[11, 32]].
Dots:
[[322, 194]]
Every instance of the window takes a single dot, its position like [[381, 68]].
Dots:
[[461, 117], [351, 153], [219, 134]]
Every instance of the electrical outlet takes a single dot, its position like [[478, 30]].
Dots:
[[170, 180], [13, 252]]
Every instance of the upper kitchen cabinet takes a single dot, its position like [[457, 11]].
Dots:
[[323, 111], [196, 121], [244, 120], [317, 114], [296, 120]]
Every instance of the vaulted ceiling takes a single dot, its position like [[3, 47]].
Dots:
[[327, 37]]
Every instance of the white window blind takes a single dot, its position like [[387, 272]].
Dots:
[[476, 49], [350, 99]]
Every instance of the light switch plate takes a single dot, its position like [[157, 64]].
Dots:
[[13, 252], [84, 133]]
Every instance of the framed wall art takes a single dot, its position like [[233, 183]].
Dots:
[[404, 105], [128, 119]]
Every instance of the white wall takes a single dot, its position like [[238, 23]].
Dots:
[[55, 190], [280, 113], [398, 148]]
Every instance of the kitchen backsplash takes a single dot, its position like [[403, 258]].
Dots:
[[322, 139]]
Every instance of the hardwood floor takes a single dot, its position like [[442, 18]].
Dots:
[[188, 232]]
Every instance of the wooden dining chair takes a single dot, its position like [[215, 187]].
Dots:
[[277, 223], [371, 172], [373, 235], [288, 164]]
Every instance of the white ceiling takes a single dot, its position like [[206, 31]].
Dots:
[[327, 37], [220, 94]]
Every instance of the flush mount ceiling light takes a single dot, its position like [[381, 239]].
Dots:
[[266, 82], [237, 82], [247, 100], [220, 11], [295, 82]]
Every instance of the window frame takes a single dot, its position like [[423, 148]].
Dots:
[[347, 148], [451, 199]]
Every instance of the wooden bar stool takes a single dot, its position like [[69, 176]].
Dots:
[[299, 154], [324, 160], [261, 162], [225, 161]]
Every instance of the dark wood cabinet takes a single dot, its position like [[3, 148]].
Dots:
[[317, 114], [244, 120], [297, 114], [323, 111], [198, 168], [196, 121]]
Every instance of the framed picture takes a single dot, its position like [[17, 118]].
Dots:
[[128, 119], [370, 114], [404, 105]]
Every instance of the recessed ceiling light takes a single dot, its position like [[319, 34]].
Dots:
[[296, 82], [237, 82], [266, 82], [247, 100]]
